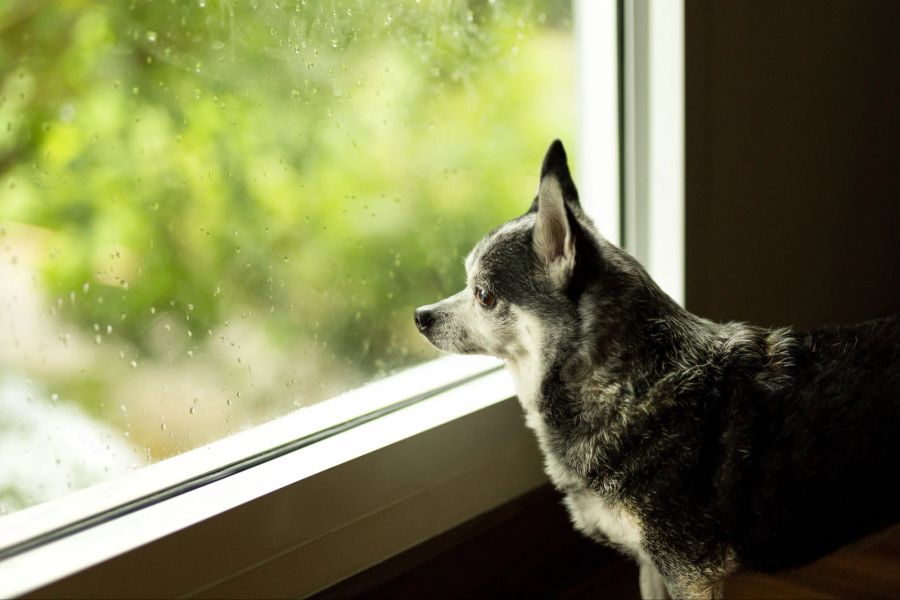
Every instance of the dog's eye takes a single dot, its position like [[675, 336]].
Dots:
[[485, 297]]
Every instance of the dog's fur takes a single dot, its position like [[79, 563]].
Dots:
[[695, 447]]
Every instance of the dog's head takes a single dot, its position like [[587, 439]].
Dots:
[[524, 278]]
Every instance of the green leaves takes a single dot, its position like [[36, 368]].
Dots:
[[313, 168]]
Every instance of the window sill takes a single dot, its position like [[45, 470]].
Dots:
[[303, 520]]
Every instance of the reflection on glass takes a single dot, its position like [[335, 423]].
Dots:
[[212, 213]]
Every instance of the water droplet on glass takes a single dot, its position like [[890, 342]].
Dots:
[[85, 288], [98, 339], [134, 364], [151, 37], [109, 330], [54, 397]]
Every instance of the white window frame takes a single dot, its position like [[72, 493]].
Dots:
[[653, 136], [300, 518]]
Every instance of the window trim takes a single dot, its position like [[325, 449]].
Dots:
[[598, 108], [652, 81]]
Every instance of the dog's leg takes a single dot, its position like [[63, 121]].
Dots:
[[653, 586], [693, 589]]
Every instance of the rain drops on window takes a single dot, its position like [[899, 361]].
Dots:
[[215, 213]]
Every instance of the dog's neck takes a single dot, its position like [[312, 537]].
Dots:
[[611, 368]]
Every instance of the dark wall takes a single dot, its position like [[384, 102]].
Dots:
[[793, 160]]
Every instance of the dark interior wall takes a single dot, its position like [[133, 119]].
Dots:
[[793, 160]]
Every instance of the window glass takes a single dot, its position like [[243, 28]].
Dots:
[[215, 212]]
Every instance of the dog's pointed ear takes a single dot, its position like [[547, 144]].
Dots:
[[553, 238], [556, 163]]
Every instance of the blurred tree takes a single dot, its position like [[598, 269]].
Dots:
[[318, 167]]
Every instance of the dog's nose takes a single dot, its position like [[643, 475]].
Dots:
[[424, 319]]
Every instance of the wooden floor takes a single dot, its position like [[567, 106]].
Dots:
[[869, 570], [527, 549]]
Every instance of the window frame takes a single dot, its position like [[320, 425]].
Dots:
[[438, 458], [416, 469]]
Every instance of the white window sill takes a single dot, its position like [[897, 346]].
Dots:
[[299, 519]]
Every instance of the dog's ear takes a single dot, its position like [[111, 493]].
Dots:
[[553, 238], [556, 163]]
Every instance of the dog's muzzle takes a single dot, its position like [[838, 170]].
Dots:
[[424, 319]]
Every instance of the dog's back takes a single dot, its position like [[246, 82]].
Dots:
[[825, 463], [768, 448]]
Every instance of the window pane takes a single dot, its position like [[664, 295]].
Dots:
[[212, 213]]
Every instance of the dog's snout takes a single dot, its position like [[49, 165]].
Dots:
[[424, 318]]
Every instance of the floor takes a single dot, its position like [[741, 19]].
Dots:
[[528, 549], [868, 571]]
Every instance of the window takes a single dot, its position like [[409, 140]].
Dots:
[[215, 219], [215, 213]]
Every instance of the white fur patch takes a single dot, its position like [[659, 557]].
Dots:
[[592, 514], [652, 584], [525, 364]]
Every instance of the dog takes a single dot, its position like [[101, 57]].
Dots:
[[695, 447]]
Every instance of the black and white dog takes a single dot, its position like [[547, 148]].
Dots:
[[695, 447]]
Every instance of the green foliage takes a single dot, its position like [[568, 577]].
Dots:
[[316, 167]]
